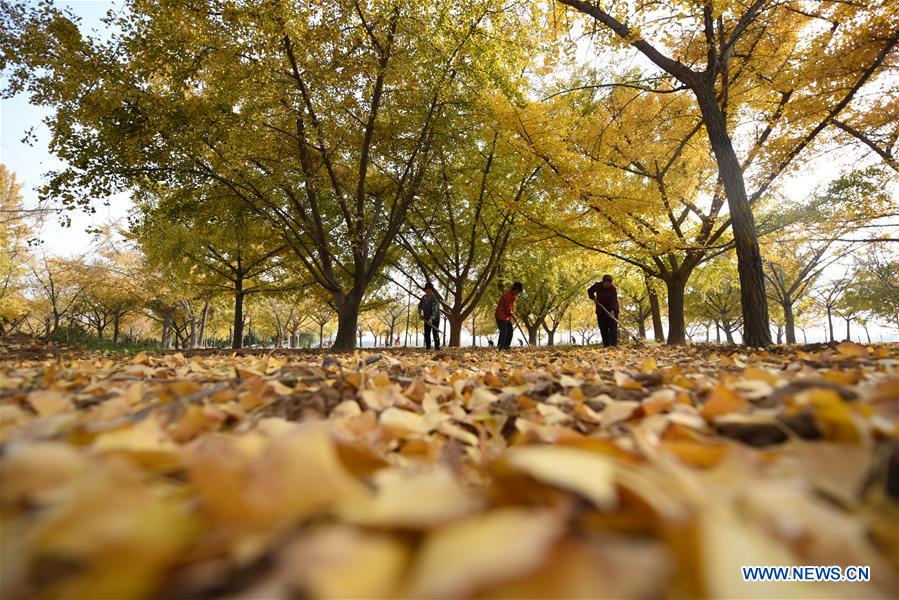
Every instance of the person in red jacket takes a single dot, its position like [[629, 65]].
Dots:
[[505, 310], [605, 296]]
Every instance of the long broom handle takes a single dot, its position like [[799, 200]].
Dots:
[[526, 341]]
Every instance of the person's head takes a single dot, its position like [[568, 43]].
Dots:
[[606, 280], [429, 289], [517, 288]]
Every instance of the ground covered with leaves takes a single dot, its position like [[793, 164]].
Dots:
[[637, 472]]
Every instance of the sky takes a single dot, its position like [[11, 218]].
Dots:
[[31, 162]]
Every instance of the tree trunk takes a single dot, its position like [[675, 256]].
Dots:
[[551, 335], [789, 321], [203, 316], [455, 324], [116, 324], [321, 334], [677, 329], [848, 319], [717, 333], [194, 330], [532, 334], [641, 329], [830, 323], [166, 329], [237, 340], [347, 324], [729, 336], [749, 258], [867, 333]]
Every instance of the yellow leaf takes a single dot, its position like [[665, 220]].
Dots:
[[145, 441], [722, 401], [623, 380], [296, 475], [342, 562], [258, 393], [48, 403], [833, 414], [412, 500], [32, 470], [196, 420], [400, 423], [460, 559], [587, 473], [851, 350]]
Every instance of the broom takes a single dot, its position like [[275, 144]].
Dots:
[[620, 326]]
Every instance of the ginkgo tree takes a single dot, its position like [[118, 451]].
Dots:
[[211, 242], [637, 184], [458, 233], [816, 235], [793, 67], [14, 253], [322, 119]]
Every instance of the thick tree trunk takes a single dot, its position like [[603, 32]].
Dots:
[[166, 329], [532, 334], [455, 324], [641, 329], [789, 321], [116, 325], [749, 258], [237, 340], [347, 324], [729, 336], [677, 329]]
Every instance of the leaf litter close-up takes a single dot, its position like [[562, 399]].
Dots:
[[631, 472]]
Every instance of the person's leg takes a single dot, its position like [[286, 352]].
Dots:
[[613, 331], [427, 336], [436, 331], [510, 333], [603, 329], [504, 337]]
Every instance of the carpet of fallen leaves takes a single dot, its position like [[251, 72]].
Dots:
[[639, 472]]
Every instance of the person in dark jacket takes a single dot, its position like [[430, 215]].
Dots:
[[429, 311], [505, 310], [605, 296]]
